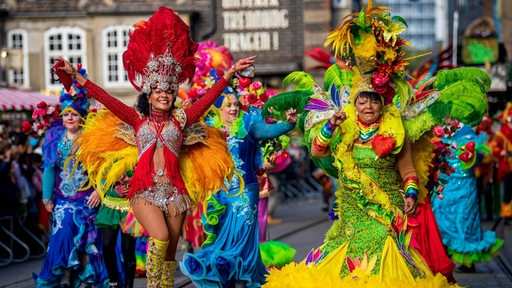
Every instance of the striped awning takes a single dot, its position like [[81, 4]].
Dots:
[[23, 100]]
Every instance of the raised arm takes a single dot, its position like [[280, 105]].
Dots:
[[262, 130], [197, 110], [124, 112], [320, 146]]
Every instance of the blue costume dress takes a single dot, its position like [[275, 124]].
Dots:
[[231, 251], [458, 213], [74, 241]]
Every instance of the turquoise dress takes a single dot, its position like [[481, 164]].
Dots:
[[458, 213], [231, 252]]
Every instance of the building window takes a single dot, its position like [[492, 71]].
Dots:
[[115, 40], [65, 42], [341, 4], [18, 76]]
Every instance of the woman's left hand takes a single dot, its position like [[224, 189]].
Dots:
[[94, 200], [291, 116], [239, 66], [410, 206]]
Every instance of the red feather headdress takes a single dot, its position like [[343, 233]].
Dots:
[[160, 51]]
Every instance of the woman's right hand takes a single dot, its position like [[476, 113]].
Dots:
[[66, 67], [338, 118]]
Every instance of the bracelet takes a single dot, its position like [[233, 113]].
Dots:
[[233, 69], [411, 187], [73, 73], [412, 193], [47, 201], [319, 144]]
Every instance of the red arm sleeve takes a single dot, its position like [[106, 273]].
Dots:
[[122, 111], [197, 110]]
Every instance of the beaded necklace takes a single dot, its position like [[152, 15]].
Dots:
[[367, 131]]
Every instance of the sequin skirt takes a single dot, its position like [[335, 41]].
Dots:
[[165, 196]]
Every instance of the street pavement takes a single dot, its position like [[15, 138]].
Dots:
[[303, 227]]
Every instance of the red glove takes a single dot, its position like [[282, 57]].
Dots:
[[64, 77]]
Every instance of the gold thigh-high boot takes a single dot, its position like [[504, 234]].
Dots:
[[154, 261], [168, 274]]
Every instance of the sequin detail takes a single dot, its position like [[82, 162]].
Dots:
[[163, 195], [242, 208], [146, 137]]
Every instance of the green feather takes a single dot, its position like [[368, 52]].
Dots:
[[446, 78], [301, 79], [334, 75], [283, 101]]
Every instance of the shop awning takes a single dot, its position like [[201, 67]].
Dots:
[[23, 100]]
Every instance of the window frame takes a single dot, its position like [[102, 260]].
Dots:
[[65, 53], [24, 48], [123, 81]]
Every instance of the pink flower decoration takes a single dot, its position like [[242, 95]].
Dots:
[[439, 131], [256, 85]]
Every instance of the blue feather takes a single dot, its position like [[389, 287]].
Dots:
[[335, 96]]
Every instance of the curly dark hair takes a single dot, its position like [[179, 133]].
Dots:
[[142, 104], [370, 96]]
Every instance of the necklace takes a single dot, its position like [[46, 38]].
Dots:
[[160, 172], [367, 131], [159, 116]]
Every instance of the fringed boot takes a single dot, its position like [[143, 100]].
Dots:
[[169, 274], [155, 261]]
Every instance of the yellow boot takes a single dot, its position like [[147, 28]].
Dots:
[[168, 274], [155, 261]]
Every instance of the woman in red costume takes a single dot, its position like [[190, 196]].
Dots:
[[158, 196]]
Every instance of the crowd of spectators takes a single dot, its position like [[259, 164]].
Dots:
[[21, 178]]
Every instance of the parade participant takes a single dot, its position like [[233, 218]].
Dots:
[[465, 242], [159, 57], [111, 216], [501, 145], [74, 248], [212, 56], [360, 128], [230, 255]]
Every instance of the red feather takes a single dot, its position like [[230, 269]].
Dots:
[[164, 28]]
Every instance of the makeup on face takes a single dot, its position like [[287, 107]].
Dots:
[[230, 109], [160, 99], [368, 108]]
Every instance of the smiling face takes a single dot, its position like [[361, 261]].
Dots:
[[71, 120], [161, 100], [230, 109], [368, 107]]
